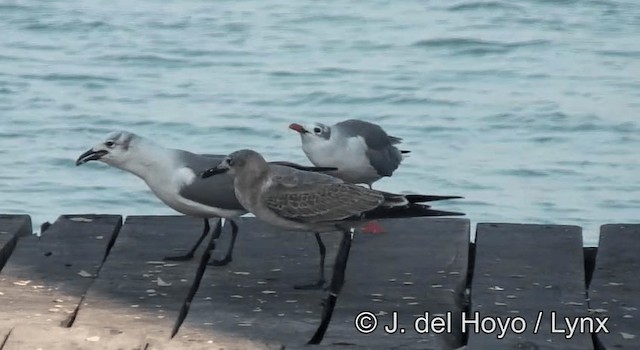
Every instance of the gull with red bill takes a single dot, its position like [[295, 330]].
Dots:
[[362, 151]]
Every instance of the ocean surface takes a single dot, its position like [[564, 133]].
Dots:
[[529, 109]]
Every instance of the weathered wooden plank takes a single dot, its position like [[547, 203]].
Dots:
[[520, 271], [251, 303], [11, 228], [615, 289], [418, 266], [84, 338], [75, 338], [5, 332], [45, 278], [136, 290]]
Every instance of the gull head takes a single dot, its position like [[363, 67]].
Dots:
[[114, 150], [315, 132], [244, 161]]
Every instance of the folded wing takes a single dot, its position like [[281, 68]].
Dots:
[[321, 202]]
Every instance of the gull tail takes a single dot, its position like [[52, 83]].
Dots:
[[394, 140], [404, 206], [409, 211]]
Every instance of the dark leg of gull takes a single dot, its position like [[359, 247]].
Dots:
[[321, 280], [228, 257], [337, 281], [189, 255]]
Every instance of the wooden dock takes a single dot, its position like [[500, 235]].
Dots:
[[96, 282]]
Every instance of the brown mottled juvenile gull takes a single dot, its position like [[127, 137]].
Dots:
[[299, 200], [172, 175]]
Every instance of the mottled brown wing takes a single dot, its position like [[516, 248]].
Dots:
[[321, 202]]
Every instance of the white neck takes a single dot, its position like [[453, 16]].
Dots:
[[146, 159]]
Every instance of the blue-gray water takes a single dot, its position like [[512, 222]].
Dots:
[[530, 109]]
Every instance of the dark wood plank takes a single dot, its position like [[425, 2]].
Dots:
[[12, 227], [615, 289], [251, 303], [418, 266], [136, 290], [521, 270], [45, 278]]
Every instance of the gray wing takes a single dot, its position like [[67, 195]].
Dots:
[[215, 191], [316, 203], [383, 156], [288, 176], [385, 161], [373, 134]]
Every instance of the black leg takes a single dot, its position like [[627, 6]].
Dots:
[[189, 255], [337, 281], [228, 257], [321, 280]]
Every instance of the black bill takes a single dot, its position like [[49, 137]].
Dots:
[[90, 155]]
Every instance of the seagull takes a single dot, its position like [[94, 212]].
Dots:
[[299, 200], [362, 151], [172, 175]]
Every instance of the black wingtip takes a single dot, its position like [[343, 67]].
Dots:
[[420, 198], [315, 169], [412, 210], [404, 151]]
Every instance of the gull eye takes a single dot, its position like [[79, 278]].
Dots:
[[229, 162], [110, 144], [317, 130]]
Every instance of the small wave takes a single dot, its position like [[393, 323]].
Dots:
[[327, 18], [477, 46], [171, 95], [485, 5], [368, 45], [619, 204], [208, 53], [548, 139], [147, 60], [477, 203], [11, 7], [620, 53], [7, 91], [320, 98], [70, 26], [161, 125], [411, 100], [179, 24], [297, 74], [338, 71], [236, 27], [69, 77], [522, 172]]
